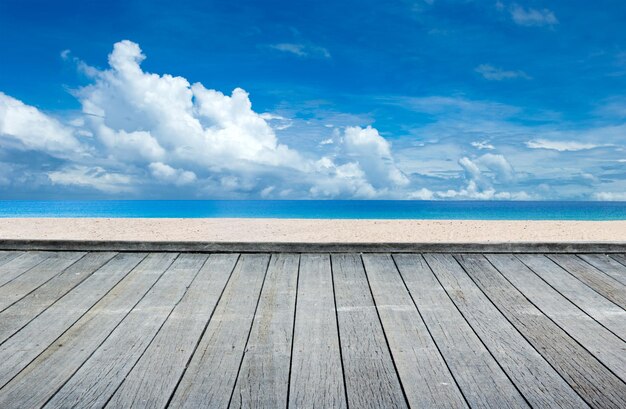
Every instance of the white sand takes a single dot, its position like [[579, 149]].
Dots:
[[317, 230]]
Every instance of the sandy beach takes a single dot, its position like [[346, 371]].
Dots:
[[311, 230]]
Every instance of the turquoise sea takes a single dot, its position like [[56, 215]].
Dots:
[[324, 209]]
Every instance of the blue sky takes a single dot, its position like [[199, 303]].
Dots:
[[423, 99]]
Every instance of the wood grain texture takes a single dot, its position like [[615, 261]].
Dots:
[[423, 371], [152, 381], [263, 380], [19, 265], [602, 343], [316, 369], [100, 376], [22, 312], [598, 307], [582, 371], [363, 345], [6, 256], [106, 306], [483, 382], [620, 258], [212, 372], [540, 384], [282, 330], [607, 265], [22, 285], [594, 278]]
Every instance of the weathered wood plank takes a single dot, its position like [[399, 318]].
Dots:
[[22, 285], [316, 369], [607, 265], [153, 380], [264, 376], [99, 377], [212, 372], [6, 256], [19, 265], [594, 278], [601, 309], [582, 371], [620, 258], [483, 382], [538, 382], [38, 382], [19, 314], [602, 343], [423, 371], [363, 345]]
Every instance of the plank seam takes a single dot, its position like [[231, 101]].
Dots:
[[577, 255], [523, 336], [112, 330], [472, 328], [30, 268], [156, 332], [58, 298], [45, 282], [574, 275], [293, 332], [97, 301], [206, 325], [554, 322], [393, 360], [567, 298], [343, 373], [11, 257], [616, 259], [245, 347]]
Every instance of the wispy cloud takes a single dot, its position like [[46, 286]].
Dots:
[[561, 146], [532, 17], [491, 73], [302, 50], [480, 145]]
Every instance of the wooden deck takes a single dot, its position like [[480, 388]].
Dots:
[[269, 330]]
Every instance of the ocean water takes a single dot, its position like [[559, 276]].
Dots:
[[322, 209]]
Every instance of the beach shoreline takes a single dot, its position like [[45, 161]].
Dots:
[[312, 230]]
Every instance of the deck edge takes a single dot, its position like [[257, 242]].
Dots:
[[314, 247]]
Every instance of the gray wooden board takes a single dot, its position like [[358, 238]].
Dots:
[[423, 371], [602, 343], [212, 372], [316, 369], [152, 381], [100, 376], [596, 384], [313, 247], [6, 256], [22, 285], [483, 382], [620, 258], [19, 265], [17, 351], [598, 307], [264, 376], [363, 345], [594, 278], [19, 314], [608, 265], [38, 382], [540, 384]]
